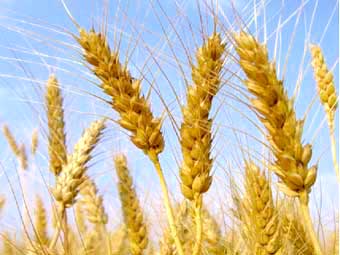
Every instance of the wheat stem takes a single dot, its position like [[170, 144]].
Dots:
[[169, 212], [60, 215], [199, 225], [333, 148], [303, 204]]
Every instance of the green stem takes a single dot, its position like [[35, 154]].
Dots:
[[167, 204], [303, 202]]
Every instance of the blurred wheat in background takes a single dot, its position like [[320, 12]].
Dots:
[[169, 127]]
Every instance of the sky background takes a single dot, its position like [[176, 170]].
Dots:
[[35, 40]]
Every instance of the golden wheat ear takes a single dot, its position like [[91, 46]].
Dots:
[[56, 124], [125, 92], [276, 112], [132, 212], [34, 141], [196, 135], [327, 93], [40, 224]]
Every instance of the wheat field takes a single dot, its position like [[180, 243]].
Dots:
[[169, 127]]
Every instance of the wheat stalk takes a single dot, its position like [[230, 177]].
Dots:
[[276, 112], [132, 212], [56, 124], [196, 137], [327, 94]]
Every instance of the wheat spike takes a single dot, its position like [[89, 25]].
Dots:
[[276, 112], [55, 120], [11, 140], [125, 93], [119, 240], [132, 212], [2, 202], [196, 137], [262, 216], [40, 225], [72, 175], [93, 203], [196, 127], [325, 83], [34, 141], [327, 94]]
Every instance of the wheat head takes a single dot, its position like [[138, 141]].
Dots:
[[132, 212], [72, 175], [56, 125], [125, 92]]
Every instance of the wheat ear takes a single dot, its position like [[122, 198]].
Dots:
[[40, 222], [2, 202], [55, 119], [133, 108], [34, 141], [196, 137], [18, 150], [264, 223], [276, 112], [132, 212], [72, 175], [326, 90]]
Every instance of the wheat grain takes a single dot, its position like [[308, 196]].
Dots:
[[55, 120]]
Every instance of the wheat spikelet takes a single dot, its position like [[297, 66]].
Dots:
[[72, 175], [211, 235], [55, 120], [125, 92], [11, 140], [196, 127], [23, 157], [93, 203], [34, 141], [40, 225], [132, 212], [277, 114], [263, 222]]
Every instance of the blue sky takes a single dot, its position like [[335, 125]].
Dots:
[[33, 43]]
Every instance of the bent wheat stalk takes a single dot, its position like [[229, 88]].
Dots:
[[276, 112], [196, 137], [328, 97]]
